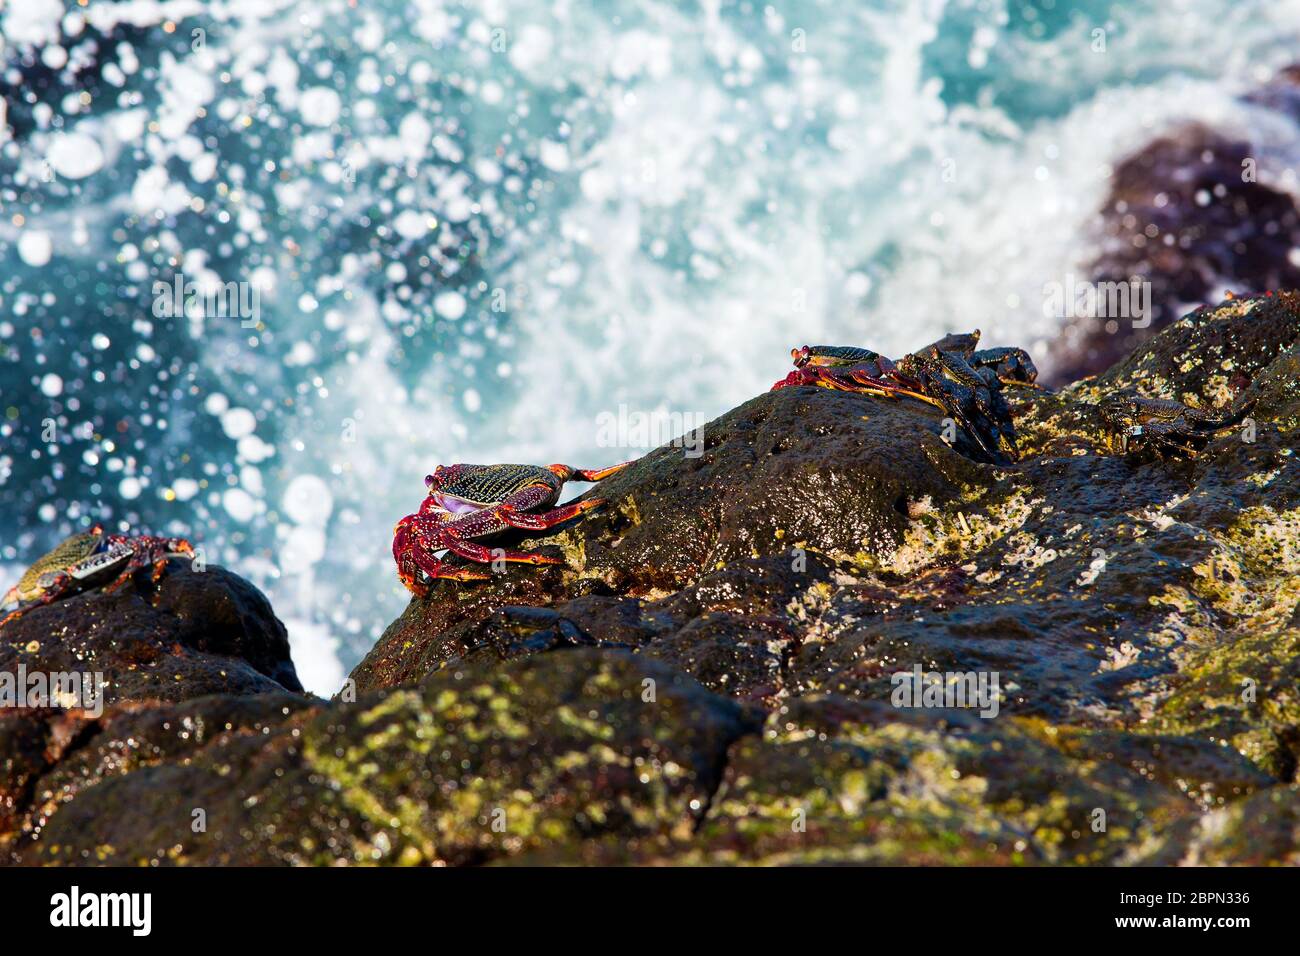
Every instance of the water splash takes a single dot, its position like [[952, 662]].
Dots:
[[473, 228]]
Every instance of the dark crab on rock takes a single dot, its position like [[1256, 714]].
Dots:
[[1166, 426], [950, 374]]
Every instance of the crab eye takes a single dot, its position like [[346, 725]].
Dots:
[[429, 481]]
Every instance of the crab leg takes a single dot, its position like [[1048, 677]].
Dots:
[[434, 568], [1167, 434], [138, 560], [569, 473], [1187, 450], [147, 551], [892, 391], [859, 381], [510, 513], [827, 378], [159, 567], [515, 511], [486, 555], [547, 519]]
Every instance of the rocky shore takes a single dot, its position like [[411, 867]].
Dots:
[[1192, 212], [710, 676]]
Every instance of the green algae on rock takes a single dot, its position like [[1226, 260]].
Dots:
[[470, 766]]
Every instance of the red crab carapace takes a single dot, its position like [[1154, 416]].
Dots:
[[467, 502]]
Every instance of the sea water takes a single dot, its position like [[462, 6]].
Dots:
[[267, 262]]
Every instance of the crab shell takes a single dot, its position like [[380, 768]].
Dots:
[[465, 489]]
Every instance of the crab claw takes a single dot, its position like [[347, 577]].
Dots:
[[417, 569], [462, 574], [404, 554], [800, 376]]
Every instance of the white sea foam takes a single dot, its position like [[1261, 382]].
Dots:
[[315, 653]]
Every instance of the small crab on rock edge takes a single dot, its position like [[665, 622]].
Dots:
[[466, 502], [87, 560]]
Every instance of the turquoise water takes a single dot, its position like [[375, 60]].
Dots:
[[466, 232]]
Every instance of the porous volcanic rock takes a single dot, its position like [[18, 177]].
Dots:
[[708, 676], [472, 765], [193, 633]]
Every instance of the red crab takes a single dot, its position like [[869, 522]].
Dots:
[[91, 559], [476, 501]]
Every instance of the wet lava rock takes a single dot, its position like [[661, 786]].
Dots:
[[194, 633], [709, 676]]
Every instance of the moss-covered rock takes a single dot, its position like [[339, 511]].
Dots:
[[470, 766]]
